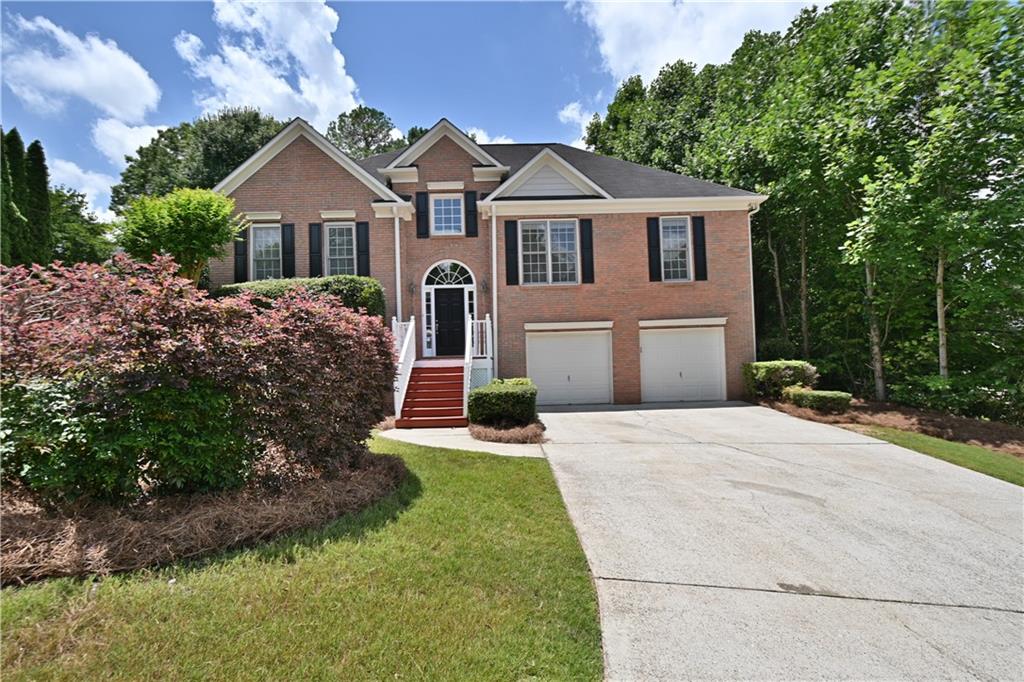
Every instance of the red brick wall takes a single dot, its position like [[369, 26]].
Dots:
[[300, 182], [623, 293]]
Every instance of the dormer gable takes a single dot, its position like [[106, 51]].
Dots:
[[403, 169], [548, 175]]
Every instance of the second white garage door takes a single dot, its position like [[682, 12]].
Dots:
[[570, 368], [682, 364]]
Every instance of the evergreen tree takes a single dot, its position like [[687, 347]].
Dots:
[[13, 223], [37, 204], [14, 150]]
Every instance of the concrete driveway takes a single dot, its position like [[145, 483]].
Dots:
[[734, 542]]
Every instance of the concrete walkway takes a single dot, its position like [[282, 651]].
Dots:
[[459, 439], [736, 542]]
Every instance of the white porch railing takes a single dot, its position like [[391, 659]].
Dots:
[[406, 359], [399, 330], [467, 364], [482, 337]]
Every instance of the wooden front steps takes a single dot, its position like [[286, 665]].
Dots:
[[434, 398]]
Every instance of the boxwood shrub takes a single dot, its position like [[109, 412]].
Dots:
[[504, 402], [823, 401], [767, 379], [356, 292]]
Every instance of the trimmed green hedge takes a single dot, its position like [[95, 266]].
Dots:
[[767, 379], [504, 402], [356, 292], [823, 401]]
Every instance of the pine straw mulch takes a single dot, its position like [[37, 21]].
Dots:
[[532, 433], [39, 544], [987, 434]]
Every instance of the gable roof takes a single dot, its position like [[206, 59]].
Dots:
[[547, 158], [620, 179], [291, 132], [442, 128]]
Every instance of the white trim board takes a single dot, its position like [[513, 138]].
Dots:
[[260, 216], [443, 186], [684, 322], [443, 128], [583, 207], [547, 158], [560, 326], [291, 132], [338, 215]]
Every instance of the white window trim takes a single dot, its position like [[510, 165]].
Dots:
[[689, 247], [325, 247], [462, 209], [547, 232], [252, 249], [427, 290]]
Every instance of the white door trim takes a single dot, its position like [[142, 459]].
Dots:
[[469, 303]]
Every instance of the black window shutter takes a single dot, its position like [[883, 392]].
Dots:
[[288, 250], [316, 258], [422, 216], [511, 253], [654, 249], [363, 249], [242, 256], [587, 249], [471, 224], [700, 256]]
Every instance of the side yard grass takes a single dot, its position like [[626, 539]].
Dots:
[[472, 570], [997, 464]]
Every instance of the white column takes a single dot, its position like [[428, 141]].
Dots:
[[494, 289], [398, 265]]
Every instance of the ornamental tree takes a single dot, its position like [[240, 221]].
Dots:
[[190, 225]]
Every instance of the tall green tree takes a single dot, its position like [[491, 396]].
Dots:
[[14, 226], [363, 132], [78, 237], [415, 133], [37, 203], [197, 154]]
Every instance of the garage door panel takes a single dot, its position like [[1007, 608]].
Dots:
[[682, 364], [570, 368]]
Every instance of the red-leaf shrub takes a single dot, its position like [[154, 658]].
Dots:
[[124, 376]]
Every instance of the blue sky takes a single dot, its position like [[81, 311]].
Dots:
[[94, 80]]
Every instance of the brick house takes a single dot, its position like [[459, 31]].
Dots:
[[603, 280]]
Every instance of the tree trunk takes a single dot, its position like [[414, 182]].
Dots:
[[805, 331], [778, 286], [874, 333], [940, 314]]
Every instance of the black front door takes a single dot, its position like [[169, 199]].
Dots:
[[450, 321]]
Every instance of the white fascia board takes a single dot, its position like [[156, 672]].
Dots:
[[262, 216], [289, 134], [547, 156], [410, 174], [576, 207], [562, 326], [440, 129], [489, 173], [448, 185], [404, 209], [684, 322], [338, 215]]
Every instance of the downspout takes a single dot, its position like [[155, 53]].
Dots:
[[750, 256], [494, 290], [398, 264]]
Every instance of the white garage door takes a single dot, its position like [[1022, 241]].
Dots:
[[570, 368], [682, 364]]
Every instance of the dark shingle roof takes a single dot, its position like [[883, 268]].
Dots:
[[621, 179]]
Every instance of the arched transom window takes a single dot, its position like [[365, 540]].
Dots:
[[449, 273]]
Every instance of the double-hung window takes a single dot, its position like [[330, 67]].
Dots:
[[676, 254], [446, 216], [550, 251], [266, 251], [341, 248]]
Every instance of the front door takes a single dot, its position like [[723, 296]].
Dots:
[[450, 321]]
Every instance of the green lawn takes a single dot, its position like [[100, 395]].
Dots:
[[471, 571], [997, 464]]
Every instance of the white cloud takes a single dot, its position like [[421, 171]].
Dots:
[[117, 140], [482, 137], [641, 37], [95, 186], [45, 65], [574, 113], [278, 56]]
